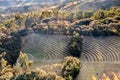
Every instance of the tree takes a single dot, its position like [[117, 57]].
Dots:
[[8, 24], [28, 22], [75, 45], [18, 19], [99, 14], [68, 15], [87, 14]]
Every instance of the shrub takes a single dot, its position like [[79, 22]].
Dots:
[[87, 14], [39, 75], [114, 26], [85, 22], [106, 33], [71, 68], [96, 32], [75, 45], [81, 22], [117, 17], [23, 72], [95, 23], [6, 71], [99, 14], [12, 46], [24, 63], [107, 21]]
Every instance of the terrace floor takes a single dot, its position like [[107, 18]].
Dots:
[[100, 56], [100, 59]]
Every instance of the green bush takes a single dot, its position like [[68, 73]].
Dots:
[[81, 22], [99, 14], [96, 32], [87, 14], [10, 45], [75, 45], [71, 68], [39, 75], [23, 72], [106, 21], [6, 71]]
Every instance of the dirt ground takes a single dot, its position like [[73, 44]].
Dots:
[[99, 71], [100, 56]]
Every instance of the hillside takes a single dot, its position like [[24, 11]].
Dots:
[[90, 5], [11, 6], [59, 39]]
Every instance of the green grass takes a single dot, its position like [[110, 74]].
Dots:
[[36, 54]]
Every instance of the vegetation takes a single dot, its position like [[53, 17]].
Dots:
[[102, 22], [12, 46], [22, 70], [75, 45], [39, 75], [53, 20], [71, 68], [99, 15]]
